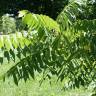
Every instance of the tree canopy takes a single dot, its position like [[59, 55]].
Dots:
[[65, 47]]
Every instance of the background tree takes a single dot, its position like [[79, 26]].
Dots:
[[49, 7], [65, 47], [89, 10]]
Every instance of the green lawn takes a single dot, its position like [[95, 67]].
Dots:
[[32, 88]]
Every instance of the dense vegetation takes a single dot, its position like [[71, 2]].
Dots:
[[64, 47], [48, 7]]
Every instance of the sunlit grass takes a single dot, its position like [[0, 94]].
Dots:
[[33, 88]]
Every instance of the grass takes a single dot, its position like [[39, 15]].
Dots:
[[33, 88]]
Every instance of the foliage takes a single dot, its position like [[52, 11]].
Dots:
[[89, 10], [70, 13], [8, 24], [65, 48], [48, 7], [27, 45]]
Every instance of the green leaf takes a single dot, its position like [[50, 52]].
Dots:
[[12, 54], [7, 55], [7, 42], [22, 13], [15, 79], [20, 39], [1, 60], [27, 42], [14, 40], [1, 41]]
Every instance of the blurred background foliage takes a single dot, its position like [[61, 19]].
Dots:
[[49, 7]]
